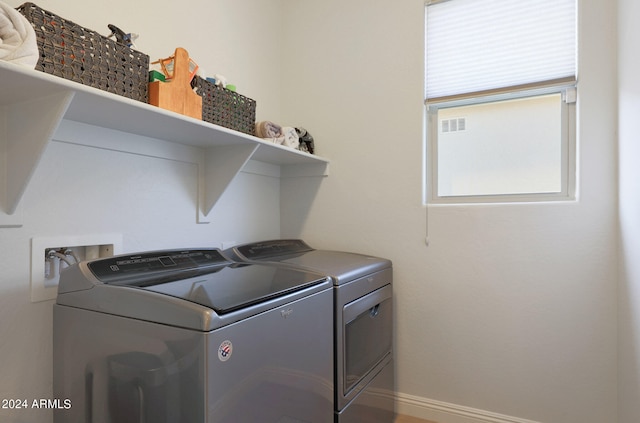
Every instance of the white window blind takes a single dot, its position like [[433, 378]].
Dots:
[[476, 46]]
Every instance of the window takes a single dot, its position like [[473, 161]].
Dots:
[[500, 98]]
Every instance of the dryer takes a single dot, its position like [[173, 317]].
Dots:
[[188, 337], [363, 323]]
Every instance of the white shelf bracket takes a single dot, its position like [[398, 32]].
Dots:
[[27, 130], [221, 165]]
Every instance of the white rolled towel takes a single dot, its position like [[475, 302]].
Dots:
[[17, 38], [268, 129], [291, 138]]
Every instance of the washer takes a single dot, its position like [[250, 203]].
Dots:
[[188, 337], [363, 322]]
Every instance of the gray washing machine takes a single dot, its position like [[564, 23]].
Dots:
[[363, 375], [188, 337]]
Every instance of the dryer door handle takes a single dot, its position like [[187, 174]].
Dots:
[[369, 302]]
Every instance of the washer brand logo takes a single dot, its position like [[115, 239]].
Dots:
[[286, 313], [224, 350]]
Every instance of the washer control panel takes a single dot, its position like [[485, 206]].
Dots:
[[139, 269]]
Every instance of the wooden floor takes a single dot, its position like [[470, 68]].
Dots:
[[409, 419]]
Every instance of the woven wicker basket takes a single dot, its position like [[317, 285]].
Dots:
[[224, 107], [72, 52]]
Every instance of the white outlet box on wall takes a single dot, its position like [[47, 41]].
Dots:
[[47, 258]]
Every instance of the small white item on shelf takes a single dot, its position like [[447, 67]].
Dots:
[[17, 38]]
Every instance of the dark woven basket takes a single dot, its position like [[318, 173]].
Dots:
[[224, 107], [72, 52]]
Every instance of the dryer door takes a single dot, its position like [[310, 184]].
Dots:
[[367, 339]]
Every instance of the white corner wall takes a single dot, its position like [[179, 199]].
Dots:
[[509, 315], [629, 174], [152, 202]]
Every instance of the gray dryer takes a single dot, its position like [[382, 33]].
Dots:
[[363, 374]]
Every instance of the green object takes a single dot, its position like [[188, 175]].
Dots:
[[154, 75], [231, 87]]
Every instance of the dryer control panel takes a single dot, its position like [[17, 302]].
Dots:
[[268, 249]]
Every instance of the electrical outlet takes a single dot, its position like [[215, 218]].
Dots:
[[51, 255]]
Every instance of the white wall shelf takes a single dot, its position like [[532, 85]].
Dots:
[[34, 104]]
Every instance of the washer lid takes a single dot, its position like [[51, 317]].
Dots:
[[238, 286], [196, 289]]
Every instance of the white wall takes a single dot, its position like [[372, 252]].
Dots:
[[511, 309], [629, 154], [151, 202]]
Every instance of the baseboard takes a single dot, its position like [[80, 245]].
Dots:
[[442, 412]]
